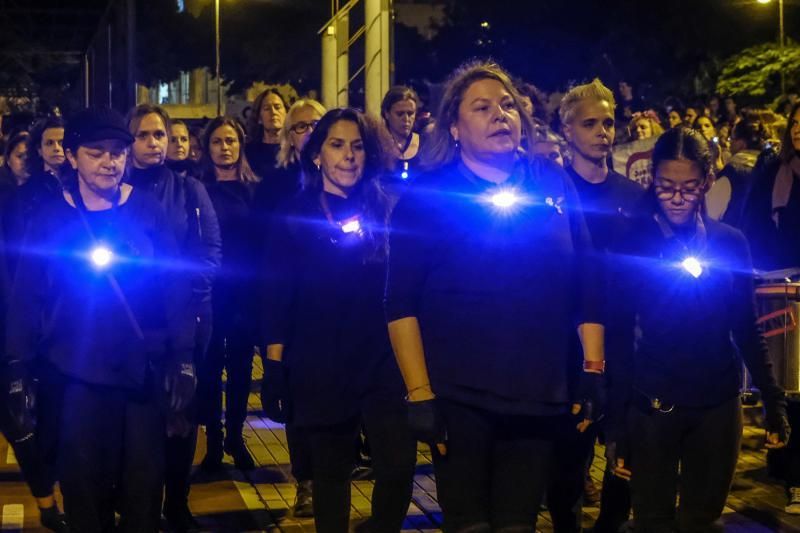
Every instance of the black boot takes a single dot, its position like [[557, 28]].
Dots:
[[179, 518], [235, 447], [303, 501], [53, 519], [212, 462]]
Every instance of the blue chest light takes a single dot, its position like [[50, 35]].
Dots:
[[692, 266], [504, 199], [351, 226], [101, 257]]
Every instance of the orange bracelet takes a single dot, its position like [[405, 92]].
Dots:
[[596, 366]]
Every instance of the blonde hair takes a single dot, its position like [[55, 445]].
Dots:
[[287, 155], [595, 90]]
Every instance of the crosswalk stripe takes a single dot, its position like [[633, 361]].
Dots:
[[13, 517], [11, 459]]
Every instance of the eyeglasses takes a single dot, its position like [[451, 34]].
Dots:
[[668, 193], [302, 127]]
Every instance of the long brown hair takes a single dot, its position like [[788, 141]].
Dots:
[[244, 172], [441, 149], [255, 130]]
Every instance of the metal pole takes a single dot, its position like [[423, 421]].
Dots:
[[783, 44], [216, 42]]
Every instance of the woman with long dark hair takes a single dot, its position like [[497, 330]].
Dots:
[[399, 113], [14, 170], [231, 186], [329, 363], [675, 394], [263, 125], [489, 276]]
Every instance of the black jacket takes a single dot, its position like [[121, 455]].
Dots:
[[326, 294], [191, 216], [70, 312], [498, 294]]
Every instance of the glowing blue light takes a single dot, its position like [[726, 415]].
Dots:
[[101, 256], [692, 266], [504, 199], [353, 226], [404, 175]]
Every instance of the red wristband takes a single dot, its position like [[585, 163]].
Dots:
[[594, 366]]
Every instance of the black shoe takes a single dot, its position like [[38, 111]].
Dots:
[[53, 519], [241, 456], [180, 519], [303, 501], [212, 462]]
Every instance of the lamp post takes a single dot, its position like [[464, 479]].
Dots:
[[217, 66], [781, 39]]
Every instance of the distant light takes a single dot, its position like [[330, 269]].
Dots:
[[763, 1], [485, 24], [353, 226], [101, 256], [692, 266], [404, 175], [504, 199]]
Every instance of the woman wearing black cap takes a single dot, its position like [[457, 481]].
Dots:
[[192, 219], [488, 279], [675, 417], [99, 288], [329, 363]]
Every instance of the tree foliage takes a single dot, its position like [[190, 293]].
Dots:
[[755, 72]]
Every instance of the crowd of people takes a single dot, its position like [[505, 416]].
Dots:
[[482, 281]]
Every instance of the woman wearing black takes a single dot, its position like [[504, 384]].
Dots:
[[14, 171], [488, 279], [178, 150], [399, 112], [95, 293], [263, 125], [676, 403], [233, 338], [329, 363]]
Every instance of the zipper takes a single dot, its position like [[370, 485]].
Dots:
[[199, 227]]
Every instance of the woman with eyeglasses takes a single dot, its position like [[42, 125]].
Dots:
[[675, 419], [329, 364]]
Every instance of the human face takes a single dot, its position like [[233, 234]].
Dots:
[[707, 128], [643, 129], [100, 165], [550, 150], [675, 119], [298, 134], [730, 106], [690, 116], [400, 118], [591, 132], [52, 148], [150, 144], [680, 186], [195, 150], [178, 147], [16, 162], [224, 146], [272, 112], [341, 159], [795, 130], [488, 125]]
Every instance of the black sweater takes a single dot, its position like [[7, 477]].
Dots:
[[497, 295], [326, 299], [691, 331], [69, 312], [191, 217]]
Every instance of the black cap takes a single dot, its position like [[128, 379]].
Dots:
[[95, 124]]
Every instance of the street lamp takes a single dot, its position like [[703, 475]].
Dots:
[[781, 37], [216, 44]]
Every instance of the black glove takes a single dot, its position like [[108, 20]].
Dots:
[[180, 382], [20, 400], [275, 391], [427, 423], [591, 395], [777, 419]]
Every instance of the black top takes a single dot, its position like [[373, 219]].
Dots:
[[262, 158], [327, 310], [191, 216], [69, 311], [497, 294], [739, 171], [690, 331]]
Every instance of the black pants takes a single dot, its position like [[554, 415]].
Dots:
[[615, 504], [572, 454], [785, 463], [495, 471], [231, 348], [704, 444], [37, 457], [298, 442], [394, 459], [180, 450], [112, 456]]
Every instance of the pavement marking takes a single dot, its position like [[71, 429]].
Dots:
[[13, 517], [250, 497], [11, 459]]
